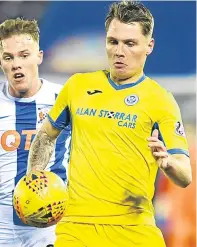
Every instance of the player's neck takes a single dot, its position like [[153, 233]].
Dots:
[[131, 79], [38, 84]]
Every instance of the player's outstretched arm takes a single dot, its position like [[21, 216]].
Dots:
[[176, 167], [42, 147]]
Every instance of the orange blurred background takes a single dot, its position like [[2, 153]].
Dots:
[[176, 207]]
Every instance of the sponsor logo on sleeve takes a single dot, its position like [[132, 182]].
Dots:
[[179, 129]]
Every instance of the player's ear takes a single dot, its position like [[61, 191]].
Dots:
[[40, 57], [150, 46]]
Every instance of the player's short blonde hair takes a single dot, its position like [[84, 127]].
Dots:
[[19, 26], [131, 11]]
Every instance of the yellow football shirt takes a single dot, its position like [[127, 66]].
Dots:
[[112, 171]]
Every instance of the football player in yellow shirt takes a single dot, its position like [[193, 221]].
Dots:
[[124, 126]]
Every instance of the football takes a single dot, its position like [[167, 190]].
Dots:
[[40, 198]]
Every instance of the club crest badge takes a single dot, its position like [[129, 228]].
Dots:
[[131, 100], [42, 113]]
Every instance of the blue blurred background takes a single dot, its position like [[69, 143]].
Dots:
[[82, 23], [73, 39]]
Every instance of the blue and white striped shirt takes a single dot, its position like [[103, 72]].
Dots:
[[20, 118]]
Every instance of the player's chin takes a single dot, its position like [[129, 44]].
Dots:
[[21, 89], [122, 74]]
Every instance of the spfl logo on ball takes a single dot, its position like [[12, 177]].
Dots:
[[179, 129], [131, 99]]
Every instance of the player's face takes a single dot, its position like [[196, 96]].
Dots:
[[20, 57], [127, 49]]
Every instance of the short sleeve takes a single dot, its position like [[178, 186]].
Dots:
[[59, 115], [170, 126]]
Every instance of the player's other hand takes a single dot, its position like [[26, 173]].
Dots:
[[158, 149]]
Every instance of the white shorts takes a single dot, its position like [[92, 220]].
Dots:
[[37, 237], [22, 236]]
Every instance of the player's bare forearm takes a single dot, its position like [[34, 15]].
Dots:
[[176, 166], [40, 152], [178, 170], [42, 147]]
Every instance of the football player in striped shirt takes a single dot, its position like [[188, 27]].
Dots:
[[25, 101]]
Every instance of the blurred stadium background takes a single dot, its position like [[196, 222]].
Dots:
[[73, 40]]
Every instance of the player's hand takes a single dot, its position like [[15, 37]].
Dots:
[[158, 149]]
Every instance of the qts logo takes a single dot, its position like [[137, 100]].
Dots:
[[12, 140]]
